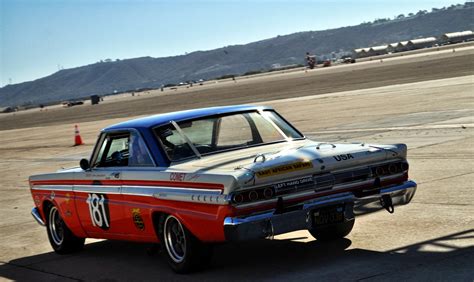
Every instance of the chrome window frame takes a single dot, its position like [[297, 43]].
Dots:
[[100, 141]]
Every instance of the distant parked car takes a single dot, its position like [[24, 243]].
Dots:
[[68, 104], [10, 110], [348, 60], [327, 63]]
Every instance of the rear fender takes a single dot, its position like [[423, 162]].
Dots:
[[66, 208], [204, 222]]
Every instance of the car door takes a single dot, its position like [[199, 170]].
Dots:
[[98, 190], [138, 179]]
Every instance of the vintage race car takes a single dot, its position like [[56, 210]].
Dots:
[[193, 178]]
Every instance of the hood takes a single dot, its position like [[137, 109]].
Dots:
[[270, 163]]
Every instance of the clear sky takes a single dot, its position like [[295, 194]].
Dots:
[[39, 36]]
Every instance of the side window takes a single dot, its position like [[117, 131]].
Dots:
[[138, 152], [234, 131], [113, 151], [267, 131]]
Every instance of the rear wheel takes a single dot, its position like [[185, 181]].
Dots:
[[333, 231], [60, 236], [184, 252]]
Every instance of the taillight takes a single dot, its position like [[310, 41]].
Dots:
[[253, 195], [267, 193], [238, 198], [389, 169]]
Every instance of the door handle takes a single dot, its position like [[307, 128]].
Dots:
[[115, 175]]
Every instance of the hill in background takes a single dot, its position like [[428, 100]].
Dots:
[[147, 72]]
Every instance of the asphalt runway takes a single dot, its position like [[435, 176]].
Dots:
[[431, 239]]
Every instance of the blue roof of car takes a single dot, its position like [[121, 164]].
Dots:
[[154, 120]]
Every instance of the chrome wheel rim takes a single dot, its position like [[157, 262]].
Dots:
[[55, 226], [175, 239]]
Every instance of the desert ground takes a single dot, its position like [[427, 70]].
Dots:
[[425, 100]]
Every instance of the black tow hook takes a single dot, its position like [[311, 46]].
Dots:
[[386, 202]]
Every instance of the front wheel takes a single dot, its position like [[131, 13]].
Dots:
[[333, 231], [184, 252], [60, 236]]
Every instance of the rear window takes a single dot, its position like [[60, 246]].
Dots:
[[216, 134]]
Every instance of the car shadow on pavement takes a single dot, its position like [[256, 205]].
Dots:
[[288, 260]]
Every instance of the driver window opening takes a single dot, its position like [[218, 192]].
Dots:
[[123, 150]]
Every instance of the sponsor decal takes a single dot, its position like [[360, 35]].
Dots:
[[137, 219], [281, 169], [37, 201], [52, 195], [95, 175], [99, 210], [343, 157], [294, 184], [177, 176]]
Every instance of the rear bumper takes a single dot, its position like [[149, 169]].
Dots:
[[268, 224], [36, 215]]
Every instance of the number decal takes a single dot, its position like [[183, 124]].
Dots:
[[99, 210]]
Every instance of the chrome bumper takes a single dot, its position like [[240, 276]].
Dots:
[[269, 223], [36, 215]]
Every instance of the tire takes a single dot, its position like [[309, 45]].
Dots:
[[333, 231], [183, 251], [60, 236]]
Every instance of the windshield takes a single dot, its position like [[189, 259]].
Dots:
[[215, 134]]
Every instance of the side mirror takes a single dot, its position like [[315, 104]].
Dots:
[[84, 163]]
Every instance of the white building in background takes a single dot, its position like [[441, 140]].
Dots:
[[402, 46], [392, 47], [421, 43], [378, 50], [361, 52], [456, 37]]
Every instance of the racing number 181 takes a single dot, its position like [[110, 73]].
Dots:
[[98, 210]]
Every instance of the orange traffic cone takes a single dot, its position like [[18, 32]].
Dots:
[[77, 137]]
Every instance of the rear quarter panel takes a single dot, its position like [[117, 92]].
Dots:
[[56, 189]]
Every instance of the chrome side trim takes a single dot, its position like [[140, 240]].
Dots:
[[52, 187], [207, 196], [36, 215], [150, 190], [198, 197], [105, 189]]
